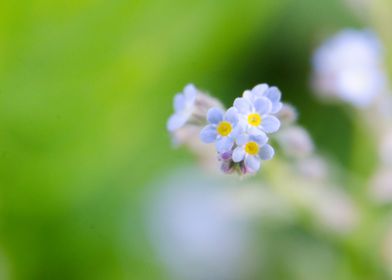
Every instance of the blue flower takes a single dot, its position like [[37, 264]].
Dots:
[[256, 114], [184, 105], [223, 128], [252, 149], [262, 90]]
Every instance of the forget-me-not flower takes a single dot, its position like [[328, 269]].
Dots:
[[256, 114], [183, 104], [252, 149], [263, 90], [223, 128]]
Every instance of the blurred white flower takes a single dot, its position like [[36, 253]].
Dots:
[[287, 115], [313, 167], [197, 231], [381, 185], [335, 210], [349, 67], [295, 141], [259, 201]]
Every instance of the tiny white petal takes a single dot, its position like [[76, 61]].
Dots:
[[215, 115], [252, 162], [238, 154], [208, 134], [270, 124], [266, 152]]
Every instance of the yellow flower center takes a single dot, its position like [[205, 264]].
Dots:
[[224, 128], [254, 119], [252, 148]]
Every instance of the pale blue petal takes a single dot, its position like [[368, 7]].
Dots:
[[266, 152], [190, 93], [237, 130], [242, 105], [176, 121], [242, 139], [179, 102], [231, 116], [273, 94], [224, 144], [270, 124], [252, 163], [255, 130], [263, 105], [208, 134], [260, 138], [259, 90], [248, 95], [238, 154], [276, 107], [215, 115]]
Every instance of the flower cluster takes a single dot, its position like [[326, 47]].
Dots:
[[241, 133]]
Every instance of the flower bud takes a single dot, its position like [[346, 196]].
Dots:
[[295, 142], [287, 115], [313, 168]]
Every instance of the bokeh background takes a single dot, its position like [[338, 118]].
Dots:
[[86, 88]]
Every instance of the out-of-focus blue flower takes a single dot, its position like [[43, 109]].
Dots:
[[223, 128], [252, 149], [349, 67], [183, 104]]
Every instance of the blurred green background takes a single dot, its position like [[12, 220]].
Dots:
[[85, 90]]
